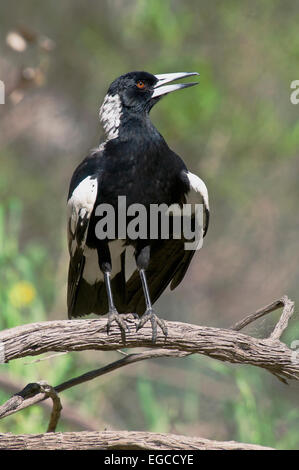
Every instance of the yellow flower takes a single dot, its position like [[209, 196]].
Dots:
[[21, 294]]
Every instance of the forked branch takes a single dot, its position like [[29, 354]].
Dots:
[[182, 340]]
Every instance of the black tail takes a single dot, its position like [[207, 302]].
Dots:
[[93, 298]]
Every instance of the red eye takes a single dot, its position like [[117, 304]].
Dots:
[[140, 84]]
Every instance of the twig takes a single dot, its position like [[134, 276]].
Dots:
[[71, 414], [30, 395], [49, 391], [282, 324], [258, 314], [51, 356], [129, 359], [112, 440]]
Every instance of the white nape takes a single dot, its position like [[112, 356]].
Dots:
[[110, 115]]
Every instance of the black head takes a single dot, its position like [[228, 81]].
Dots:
[[141, 90], [135, 90], [136, 93]]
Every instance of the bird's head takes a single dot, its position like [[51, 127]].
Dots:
[[136, 93]]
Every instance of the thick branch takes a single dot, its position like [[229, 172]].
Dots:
[[79, 335], [112, 440], [183, 339]]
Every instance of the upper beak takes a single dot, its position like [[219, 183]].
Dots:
[[161, 89]]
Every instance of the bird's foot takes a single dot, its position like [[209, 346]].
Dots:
[[149, 315], [113, 315]]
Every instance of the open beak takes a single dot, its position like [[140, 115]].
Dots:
[[162, 89]]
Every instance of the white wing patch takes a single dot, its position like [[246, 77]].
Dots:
[[197, 186], [80, 206], [197, 194]]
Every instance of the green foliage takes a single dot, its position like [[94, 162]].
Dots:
[[26, 294], [156, 416]]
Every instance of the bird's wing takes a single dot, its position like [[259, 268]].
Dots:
[[169, 259], [80, 206], [197, 194]]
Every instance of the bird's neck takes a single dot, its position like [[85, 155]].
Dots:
[[122, 124], [110, 116]]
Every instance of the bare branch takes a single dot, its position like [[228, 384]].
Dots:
[[90, 334], [57, 407], [183, 339], [128, 359], [71, 414], [258, 314], [112, 440], [282, 324], [34, 393], [30, 395]]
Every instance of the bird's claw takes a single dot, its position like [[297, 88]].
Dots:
[[113, 315], [149, 315]]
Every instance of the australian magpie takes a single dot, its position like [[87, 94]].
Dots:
[[134, 162]]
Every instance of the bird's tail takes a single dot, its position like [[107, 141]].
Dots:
[[92, 298]]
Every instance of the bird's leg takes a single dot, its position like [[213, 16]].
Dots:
[[149, 314], [142, 260], [113, 314], [104, 259]]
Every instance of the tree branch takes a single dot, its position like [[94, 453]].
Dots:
[[183, 339], [49, 391], [71, 414], [30, 395], [33, 393], [112, 440], [288, 310], [218, 343], [258, 314]]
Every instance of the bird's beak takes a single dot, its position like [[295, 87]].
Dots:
[[162, 89]]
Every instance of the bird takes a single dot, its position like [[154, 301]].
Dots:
[[133, 162]]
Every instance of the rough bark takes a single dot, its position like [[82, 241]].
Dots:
[[218, 343], [183, 339], [113, 440]]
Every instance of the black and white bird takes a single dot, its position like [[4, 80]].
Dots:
[[136, 162]]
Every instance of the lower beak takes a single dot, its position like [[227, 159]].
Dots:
[[161, 89]]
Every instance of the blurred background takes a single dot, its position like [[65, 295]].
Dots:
[[238, 130]]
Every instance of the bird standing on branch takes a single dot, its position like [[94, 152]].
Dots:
[[135, 163]]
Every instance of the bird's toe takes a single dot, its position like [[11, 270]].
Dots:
[[113, 315], [150, 315]]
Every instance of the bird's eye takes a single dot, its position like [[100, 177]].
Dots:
[[140, 84]]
